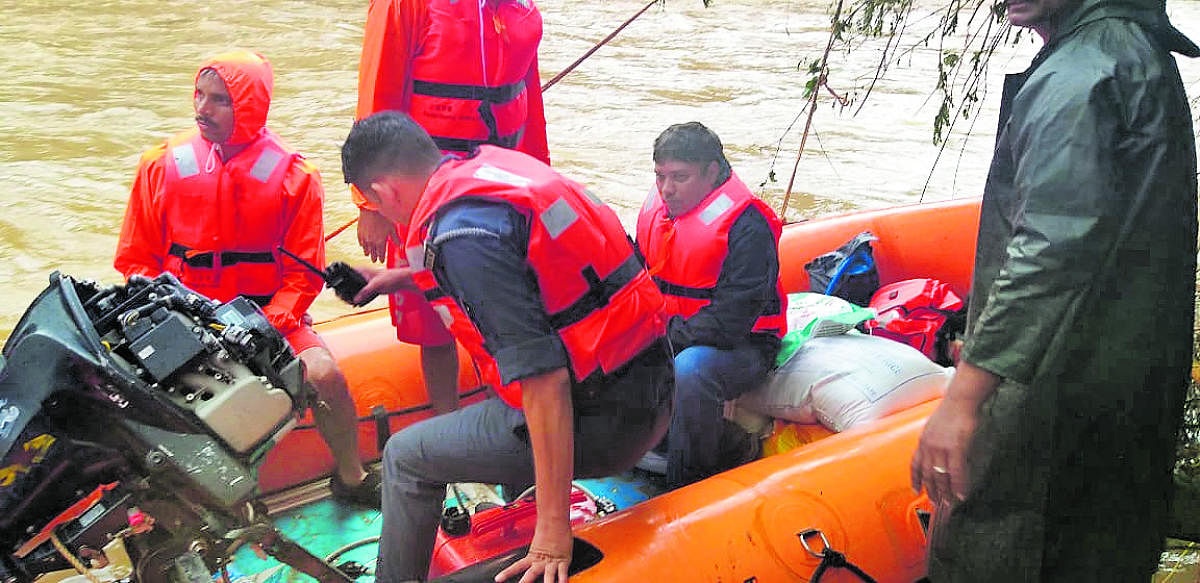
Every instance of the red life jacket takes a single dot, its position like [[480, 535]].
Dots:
[[599, 298], [209, 251], [468, 82], [685, 253]]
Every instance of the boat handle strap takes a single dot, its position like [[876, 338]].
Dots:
[[830, 558]]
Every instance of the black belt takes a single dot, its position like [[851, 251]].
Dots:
[[205, 258], [498, 94]]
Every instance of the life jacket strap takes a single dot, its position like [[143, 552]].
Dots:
[[683, 291], [207, 259], [487, 97], [465, 145], [499, 94], [599, 293]]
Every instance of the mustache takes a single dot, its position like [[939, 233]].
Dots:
[[205, 120]]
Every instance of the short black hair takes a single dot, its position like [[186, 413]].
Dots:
[[387, 142], [692, 142]]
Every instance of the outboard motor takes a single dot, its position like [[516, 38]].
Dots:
[[132, 422]]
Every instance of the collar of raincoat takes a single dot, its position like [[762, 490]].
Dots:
[[1150, 13], [249, 79]]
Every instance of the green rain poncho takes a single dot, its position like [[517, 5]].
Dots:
[[1082, 301]]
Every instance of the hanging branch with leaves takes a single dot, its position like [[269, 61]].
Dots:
[[962, 61], [818, 71]]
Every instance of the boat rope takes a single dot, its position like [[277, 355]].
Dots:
[[595, 48], [833, 559], [830, 558], [339, 230], [550, 83], [72, 559]]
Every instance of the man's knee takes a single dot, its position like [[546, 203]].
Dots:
[[321, 370], [402, 449], [694, 368]]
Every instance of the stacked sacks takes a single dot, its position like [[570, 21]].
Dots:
[[830, 374]]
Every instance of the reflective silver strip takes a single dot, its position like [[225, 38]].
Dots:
[[266, 163], [494, 174], [444, 313], [716, 208], [185, 161], [415, 256], [558, 217], [592, 196], [650, 198]]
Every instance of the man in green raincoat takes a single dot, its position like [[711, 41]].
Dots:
[[1050, 458]]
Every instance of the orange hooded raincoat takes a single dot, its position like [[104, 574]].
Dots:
[[216, 223]]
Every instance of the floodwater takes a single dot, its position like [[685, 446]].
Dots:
[[84, 90]]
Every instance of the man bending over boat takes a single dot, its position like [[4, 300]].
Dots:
[[537, 279], [713, 249], [1051, 455], [213, 204]]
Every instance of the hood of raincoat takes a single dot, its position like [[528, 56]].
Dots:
[[1150, 13], [250, 80]]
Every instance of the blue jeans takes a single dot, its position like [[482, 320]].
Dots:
[[706, 377], [487, 442]]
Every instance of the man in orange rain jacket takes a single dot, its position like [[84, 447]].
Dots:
[[212, 205], [466, 70]]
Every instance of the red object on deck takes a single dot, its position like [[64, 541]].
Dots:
[[498, 530]]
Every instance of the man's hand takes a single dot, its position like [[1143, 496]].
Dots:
[[940, 462], [382, 282], [374, 231], [548, 559]]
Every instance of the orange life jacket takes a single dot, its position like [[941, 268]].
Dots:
[[599, 298], [208, 252], [685, 253], [468, 82]]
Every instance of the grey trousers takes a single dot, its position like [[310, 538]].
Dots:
[[487, 442]]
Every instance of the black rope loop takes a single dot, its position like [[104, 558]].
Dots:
[[831, 558], [834, 559]]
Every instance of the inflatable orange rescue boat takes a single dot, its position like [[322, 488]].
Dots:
[[770, 520]]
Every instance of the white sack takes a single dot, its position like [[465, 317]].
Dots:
[[842, 381]]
